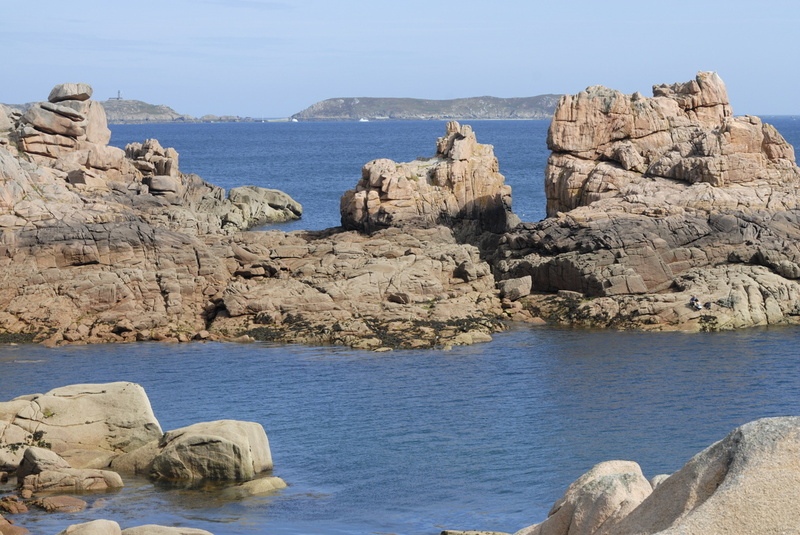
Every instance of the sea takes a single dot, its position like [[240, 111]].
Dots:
[[483, 437]]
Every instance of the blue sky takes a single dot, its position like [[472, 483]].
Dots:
[[264, 58]]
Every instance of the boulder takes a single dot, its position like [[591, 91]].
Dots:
[[514, 289], [596, 501], [254, 487], [37, 460], [70, 92], [12, 505], [109, 527], [7, 528], [95, 527], [223, 450], [112, 417], [262, 205], [151, 529]]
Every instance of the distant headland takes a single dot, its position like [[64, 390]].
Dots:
[[127, 111], [404, 109]]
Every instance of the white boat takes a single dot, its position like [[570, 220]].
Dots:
[[363, 120]]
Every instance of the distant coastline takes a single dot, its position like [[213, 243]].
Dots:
[[125, 111], [412, 109]]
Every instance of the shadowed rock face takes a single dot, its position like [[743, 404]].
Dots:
[[652, 201], [460, 183]]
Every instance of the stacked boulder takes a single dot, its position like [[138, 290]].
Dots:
[[70, 132], [461, 182]]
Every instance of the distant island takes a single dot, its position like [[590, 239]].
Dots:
[[125, 111], [403, 109]]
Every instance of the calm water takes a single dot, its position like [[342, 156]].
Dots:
[[413, 442], [316, 162], [481, 437]]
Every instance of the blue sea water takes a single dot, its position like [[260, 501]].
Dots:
[[316, 162], [413, 442]]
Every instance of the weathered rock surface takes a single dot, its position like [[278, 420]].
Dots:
[[113, 418], [224, 450], [749, 482], [125, 247], [655, 201], [71, 480], [461, 182]]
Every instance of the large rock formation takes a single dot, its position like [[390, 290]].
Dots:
[[102, 245], [749, 482], [664, 213], [461, 182]]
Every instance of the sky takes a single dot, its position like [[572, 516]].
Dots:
[[263, 58]]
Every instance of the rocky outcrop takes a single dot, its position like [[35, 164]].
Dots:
[[125, 247], [460, 183], [664, 213], [395, 288], [749, 482]]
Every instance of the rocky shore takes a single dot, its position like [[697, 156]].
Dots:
[[664, 212], [105, 245]]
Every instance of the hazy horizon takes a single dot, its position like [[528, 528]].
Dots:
[[260, 58]]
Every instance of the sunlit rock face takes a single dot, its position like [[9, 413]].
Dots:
[[604, 141], [460, 183], [663, 213]]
